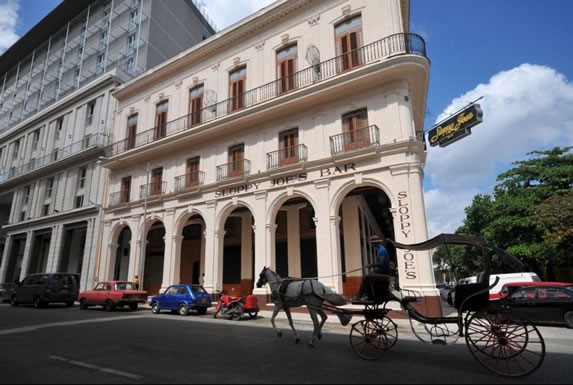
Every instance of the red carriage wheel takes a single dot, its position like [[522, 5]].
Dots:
[[368, 339]]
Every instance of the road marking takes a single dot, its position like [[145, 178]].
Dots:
[[98, 368], [27, 329]]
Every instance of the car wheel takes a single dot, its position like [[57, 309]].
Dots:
[[83, 304], [13, 301], [133, 306], [155, 308], [109, 305], [569, 319], [38, 303], [183, 310]]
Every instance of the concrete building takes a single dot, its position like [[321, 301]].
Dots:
[[285, 140], [56, 112]]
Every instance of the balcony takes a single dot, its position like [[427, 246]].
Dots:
[[119, 198], [355, 140], [237, 169], [287, 156], [394, 45], [155, 189], [189, 181], [87, 147]]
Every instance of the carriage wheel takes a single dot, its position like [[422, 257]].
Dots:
[[390, 329], [504, 343], [368, 339]]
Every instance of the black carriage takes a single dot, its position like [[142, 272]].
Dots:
[[499, 340]]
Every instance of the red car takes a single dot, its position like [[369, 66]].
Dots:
[[113, 294]]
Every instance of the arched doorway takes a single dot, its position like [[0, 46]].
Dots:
[[239, 252], [192, 251], [121, 264], [364, 211], [154, 258], [295, 239]]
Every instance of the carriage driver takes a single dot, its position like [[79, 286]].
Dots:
[[380, 272]]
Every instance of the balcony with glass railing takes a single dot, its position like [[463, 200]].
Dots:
[[237, 169], [58, 156], [287, 156], [391, 46], [355, 140]]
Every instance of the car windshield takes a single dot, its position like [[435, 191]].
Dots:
[[125, 286]]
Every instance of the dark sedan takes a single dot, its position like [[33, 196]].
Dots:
[[543, 303], [6, 291]]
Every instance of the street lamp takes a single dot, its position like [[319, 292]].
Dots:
[[142, 246]]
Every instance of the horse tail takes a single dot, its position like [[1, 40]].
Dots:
[[335, 299]]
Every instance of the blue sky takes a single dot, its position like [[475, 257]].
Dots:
[[516, 54]]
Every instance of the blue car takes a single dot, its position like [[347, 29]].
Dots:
[[182, 299]]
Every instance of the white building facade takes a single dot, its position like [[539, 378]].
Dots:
[[285, 140]]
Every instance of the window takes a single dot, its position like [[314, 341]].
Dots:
[[288, 147], [195, 104], [133, 16], [131, 41], [82, 177], [35, 139], [286, 68], [236, 160], [125, 190], [100, 61], [161, 120], [156, 181], [26, 198], [103, 37], [192, 172], [59, 127], [355, 126], [16, 150], [79, 201], [237, 80], [90, 109], [129, 64], [348, 43], [46, 210], [23, 216], [131, 131], [49, 187]]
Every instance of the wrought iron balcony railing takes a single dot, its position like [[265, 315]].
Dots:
[[155, 189], [286, 156], [398, 44], [355, 140], [189, 180], [119, 198], [234, 170]]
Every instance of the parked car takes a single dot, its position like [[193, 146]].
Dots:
[[6, 291], [113, 294], [494, 292], [46, 288], [182, 299], [543, 303], [444, 290]]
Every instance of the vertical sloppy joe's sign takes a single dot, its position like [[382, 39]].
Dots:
[[457, 127]]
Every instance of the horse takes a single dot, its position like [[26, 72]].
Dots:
[[287, 293]]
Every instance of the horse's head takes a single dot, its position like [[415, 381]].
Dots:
[[263, 278]]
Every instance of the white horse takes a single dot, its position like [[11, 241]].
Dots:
[[287, 293]]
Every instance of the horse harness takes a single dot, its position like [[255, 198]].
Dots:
[[281, 290]]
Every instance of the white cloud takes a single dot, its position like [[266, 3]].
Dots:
[[8, 21], [227, 12], [525, 109]]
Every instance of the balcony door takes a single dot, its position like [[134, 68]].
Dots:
[[237, 161], [161, 120], [356, 130], [286, 68], [348, 43], [237, 80], [288, 153], [156, 181], [192, 172], [131, 131], [195, 105], [125, 190]]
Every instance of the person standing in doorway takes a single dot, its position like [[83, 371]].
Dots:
[[136, 282]]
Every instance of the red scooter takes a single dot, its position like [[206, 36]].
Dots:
[[236, 307]]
